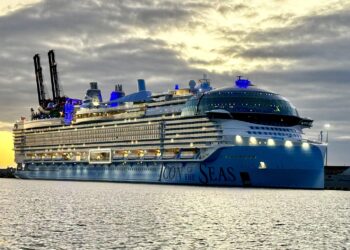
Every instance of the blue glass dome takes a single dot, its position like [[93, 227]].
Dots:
[[249, 104]]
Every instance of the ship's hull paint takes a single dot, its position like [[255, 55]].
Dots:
[[294, 167]]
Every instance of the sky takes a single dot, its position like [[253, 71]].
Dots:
[[299, 49]]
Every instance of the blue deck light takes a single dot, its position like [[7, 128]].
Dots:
[[68, 112], [115, 95], [242, 83]]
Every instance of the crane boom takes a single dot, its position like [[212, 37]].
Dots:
[[39, 80]]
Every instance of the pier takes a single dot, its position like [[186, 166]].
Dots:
[[337, 177], [7, 172]]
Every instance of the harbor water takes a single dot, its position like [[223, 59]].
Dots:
[[88, 215]]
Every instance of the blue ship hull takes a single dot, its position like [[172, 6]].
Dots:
[[257, 166]]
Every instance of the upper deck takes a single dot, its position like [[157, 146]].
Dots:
[[242, 102]]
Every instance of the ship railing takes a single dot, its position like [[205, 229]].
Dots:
[[123, 108], [313, 141], [164, 103], [229, 140]]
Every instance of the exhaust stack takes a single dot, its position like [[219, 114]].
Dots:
[[141, 85]]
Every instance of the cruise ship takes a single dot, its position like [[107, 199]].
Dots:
[[238, 135]]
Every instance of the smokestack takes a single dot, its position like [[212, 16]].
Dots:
[[192, 85], [94, 94], [118, 87], [115, 95], [93, 85], [141, 84], [39, 80]]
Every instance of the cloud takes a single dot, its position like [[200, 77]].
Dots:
[[337, 48], [90, 45], [344, 137], [227, 8], [5, 126], [301, 56], [6, 7], [320, 27]]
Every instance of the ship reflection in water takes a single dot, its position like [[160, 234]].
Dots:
[[80, 215]]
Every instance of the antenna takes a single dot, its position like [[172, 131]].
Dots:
[[204, 79]]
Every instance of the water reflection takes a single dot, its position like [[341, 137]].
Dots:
[[58, 214]]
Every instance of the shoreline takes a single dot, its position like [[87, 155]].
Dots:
[[7, 172]]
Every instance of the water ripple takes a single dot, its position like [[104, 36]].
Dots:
[[80, 215]]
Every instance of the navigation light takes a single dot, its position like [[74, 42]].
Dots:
[[262, 165]]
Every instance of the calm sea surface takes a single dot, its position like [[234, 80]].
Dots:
[[87, 215]]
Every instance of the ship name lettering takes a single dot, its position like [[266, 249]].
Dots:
[[215, 174], [171, 173]]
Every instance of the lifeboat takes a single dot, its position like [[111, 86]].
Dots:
[[169, 154], [118, 155], [150, 154], [188, 154], [131, 155]]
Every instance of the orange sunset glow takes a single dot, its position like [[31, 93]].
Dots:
[[6, 149]]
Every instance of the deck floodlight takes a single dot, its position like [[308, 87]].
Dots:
[[270, 142], [288, 144], [239, 139]]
